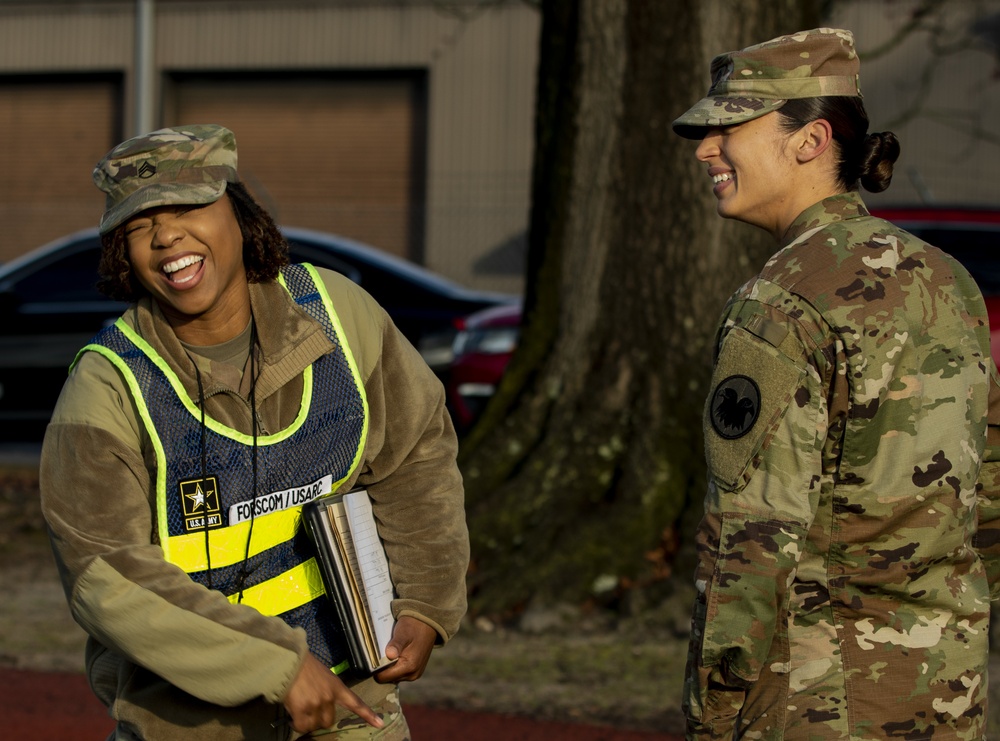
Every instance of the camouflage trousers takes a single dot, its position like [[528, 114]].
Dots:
[[349, 727]]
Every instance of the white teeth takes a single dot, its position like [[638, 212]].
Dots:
[[173, 267], [721, 178]]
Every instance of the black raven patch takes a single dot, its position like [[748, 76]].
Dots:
[[735, 406]]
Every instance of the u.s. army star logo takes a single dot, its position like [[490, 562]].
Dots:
[[200, 503], [735, 407]]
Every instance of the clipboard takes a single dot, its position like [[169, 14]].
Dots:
[[355, 573]]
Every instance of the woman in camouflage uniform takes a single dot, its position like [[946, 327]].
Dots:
[[848, 552]]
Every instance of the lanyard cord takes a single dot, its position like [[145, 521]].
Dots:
[[204, 468], [244, 573], [241, 579]]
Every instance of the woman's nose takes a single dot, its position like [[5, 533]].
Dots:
[[708, 147], [166, 231]]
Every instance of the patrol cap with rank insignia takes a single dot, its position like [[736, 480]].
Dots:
[[749, 83], [168, 167]]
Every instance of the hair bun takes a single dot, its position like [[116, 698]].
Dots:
[[881, 150]]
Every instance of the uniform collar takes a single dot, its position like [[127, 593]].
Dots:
[[840, 207], [287, 337]]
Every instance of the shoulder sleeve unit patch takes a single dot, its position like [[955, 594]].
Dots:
[[752, 387], [735, 406]]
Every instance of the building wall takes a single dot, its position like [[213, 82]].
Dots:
[[67, 77], [50, 129], [342, 153], [479, 62]]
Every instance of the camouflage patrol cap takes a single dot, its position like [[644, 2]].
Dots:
[[181, 165], [749, 83]]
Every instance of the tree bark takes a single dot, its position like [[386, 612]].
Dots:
[[587, 459]]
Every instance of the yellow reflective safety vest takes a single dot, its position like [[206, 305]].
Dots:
[[251, 545]]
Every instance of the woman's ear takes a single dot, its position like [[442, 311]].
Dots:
[[813, 139]]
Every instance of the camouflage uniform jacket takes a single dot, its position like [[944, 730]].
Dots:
[[843, 589]]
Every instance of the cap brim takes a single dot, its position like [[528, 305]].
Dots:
[[721, 110], [161, 194]]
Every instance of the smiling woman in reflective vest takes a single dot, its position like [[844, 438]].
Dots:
[[188, 436]]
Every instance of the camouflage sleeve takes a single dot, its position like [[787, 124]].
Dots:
[[987, 539], [765, 423]]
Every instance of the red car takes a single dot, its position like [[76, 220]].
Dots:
[[483, 345]]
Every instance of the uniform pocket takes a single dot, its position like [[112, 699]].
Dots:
[[743, 618]]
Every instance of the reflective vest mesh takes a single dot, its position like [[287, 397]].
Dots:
[[325, 444]]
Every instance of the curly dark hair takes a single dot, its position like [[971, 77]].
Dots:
[[265, 250]]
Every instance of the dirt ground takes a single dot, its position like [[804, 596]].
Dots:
[[46, 705], [560, 674]]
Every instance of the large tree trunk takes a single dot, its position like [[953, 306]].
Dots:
[[589, 455]]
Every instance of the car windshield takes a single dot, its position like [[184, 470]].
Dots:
[[65, 278]]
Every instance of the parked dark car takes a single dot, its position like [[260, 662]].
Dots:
[[50, 307], [487, 339]]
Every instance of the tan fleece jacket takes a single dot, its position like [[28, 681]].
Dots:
[[171, 658]]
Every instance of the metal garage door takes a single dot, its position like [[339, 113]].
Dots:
[[334, 153], [53, 130]]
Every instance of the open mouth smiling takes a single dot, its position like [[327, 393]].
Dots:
[[173, 269]]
